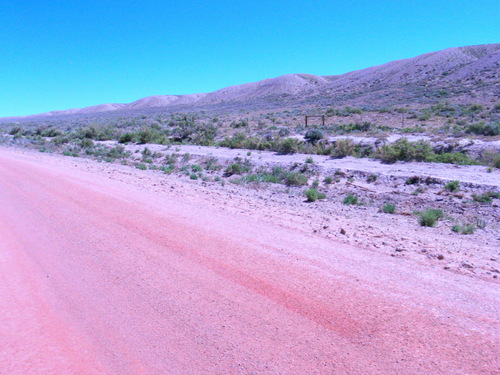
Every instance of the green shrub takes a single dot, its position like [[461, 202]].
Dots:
[[413, 180], [60, 140], [343, 148], [276, 176], [482, 198], [309, 160], [481, 223], [354, 128], [196, 168], [86, 143], [452, 186], [452, 158], [235, 141], [295, 179], [168, 169], [69, 153], [313, 195], [117, 152], [347, 111], [328, 180], [494, 194], [235, 168], [322, 148], [402, 150], [486, 197], [126, 137], [171, 158], [313, 136], [351, 199], [429, 217], [150, 135], [256, 143], [389, 208], [49, 132], [99, 133], [283, 132], [16, 130], [201, 134], [236, 181], [288, 146], [262, 177], [251, 178], [193, 176], [464, 229], [371, 178], [239, 124], [418, 191], [212, 164], [496, 161], [481, 128]]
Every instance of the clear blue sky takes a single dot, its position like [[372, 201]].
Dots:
[[60, 54]]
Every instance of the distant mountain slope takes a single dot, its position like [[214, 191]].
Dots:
[[463, 73], [164, 101], [449, 65], [93, 109], [290, 84]]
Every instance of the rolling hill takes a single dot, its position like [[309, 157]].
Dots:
[[461, 74]]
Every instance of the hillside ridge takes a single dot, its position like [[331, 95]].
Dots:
[[461, 73]]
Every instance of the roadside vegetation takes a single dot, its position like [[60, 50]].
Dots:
[[348, 132], [389, 208], [299, 179], [429, 217], [313, 195], [284, 132]]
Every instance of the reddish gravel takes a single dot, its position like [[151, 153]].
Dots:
[[99, 276]]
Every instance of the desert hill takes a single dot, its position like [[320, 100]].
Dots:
[[465, 74], [456, 73]]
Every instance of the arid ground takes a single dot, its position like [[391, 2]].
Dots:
[[108, 269]]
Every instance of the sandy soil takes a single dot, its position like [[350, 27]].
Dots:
[[108, 269]]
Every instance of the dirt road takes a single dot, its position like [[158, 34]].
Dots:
[[101, 277]]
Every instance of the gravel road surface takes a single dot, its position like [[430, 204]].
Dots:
[[98, 276]]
